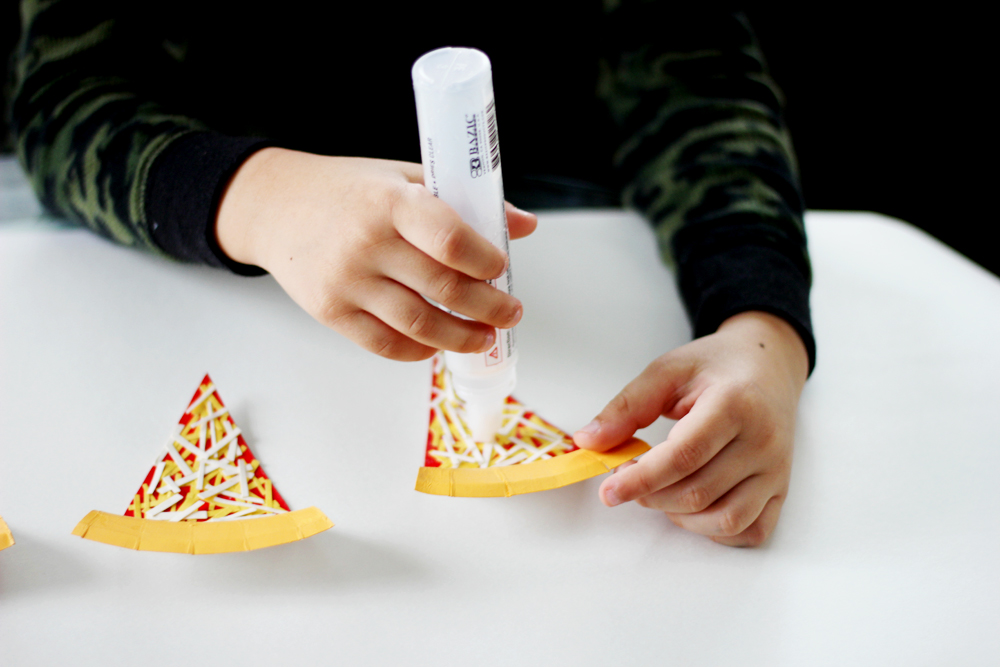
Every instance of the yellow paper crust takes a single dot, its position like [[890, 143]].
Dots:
[[526, 478], [200, 537], [6, 539]]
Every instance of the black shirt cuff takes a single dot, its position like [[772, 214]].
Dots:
[[752, 277], [183, 190]]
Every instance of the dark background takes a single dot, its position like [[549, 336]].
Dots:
[[887, 111]]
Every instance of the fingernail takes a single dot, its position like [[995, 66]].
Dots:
[[518, 313], [491, 338], [521, 210], [592, 428], [611, 496]]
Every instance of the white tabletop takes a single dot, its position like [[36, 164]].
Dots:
[[887, 551]]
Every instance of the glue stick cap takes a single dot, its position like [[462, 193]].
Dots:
[[450, 67]]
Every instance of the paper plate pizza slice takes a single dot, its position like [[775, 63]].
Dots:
[[6, 539], [530, 454], [205, 493]]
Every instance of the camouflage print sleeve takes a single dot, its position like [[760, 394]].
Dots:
[[87, 125], [705, 155]]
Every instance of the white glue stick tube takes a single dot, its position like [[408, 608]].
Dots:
[[456, 116]]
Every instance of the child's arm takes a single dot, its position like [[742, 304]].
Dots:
[[101, 137], [356, 242], [706, 157], [723, 470]]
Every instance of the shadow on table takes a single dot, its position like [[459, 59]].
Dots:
[[558, 513], [323, 563], [33, 566], [326, 562]]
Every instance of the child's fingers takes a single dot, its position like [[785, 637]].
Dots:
[[734, 512], [637, 405], [627, 464], [693, 441], [450, 288], [412, 171], [376, 336], [411, 315], [519, 223], [758, 532], [436, 229], [696, 492]]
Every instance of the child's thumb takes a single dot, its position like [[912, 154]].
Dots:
[[636, 406]]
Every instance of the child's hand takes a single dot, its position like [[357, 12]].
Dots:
[[356, 242], [723, 470]]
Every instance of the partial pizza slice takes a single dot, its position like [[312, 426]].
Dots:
[[206, 492], [529, 454], [6, 539]]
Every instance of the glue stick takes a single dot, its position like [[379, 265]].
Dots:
[[456, 117]]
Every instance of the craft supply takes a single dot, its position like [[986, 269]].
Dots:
[[6, 539], [530, 454], [204, 475], [460, 148]]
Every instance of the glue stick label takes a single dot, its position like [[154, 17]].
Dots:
[[460, 150], [484, 141]]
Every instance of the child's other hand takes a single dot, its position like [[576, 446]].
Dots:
[[723, 470], [356, 242]]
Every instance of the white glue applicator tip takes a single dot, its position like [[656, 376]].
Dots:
[[484, 420], [485, 398]]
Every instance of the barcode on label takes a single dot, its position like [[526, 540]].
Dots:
[[491, 131]]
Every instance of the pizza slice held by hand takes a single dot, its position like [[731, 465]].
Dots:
[[529, 454], [206, 492]]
